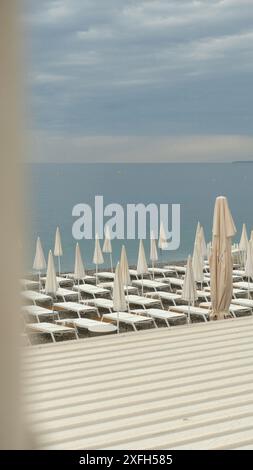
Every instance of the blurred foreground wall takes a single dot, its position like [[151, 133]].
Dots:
[[11, 432]]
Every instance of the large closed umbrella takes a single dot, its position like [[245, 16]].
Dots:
[[58, 248], [153, 251], [39, 263], [142, 267], [107, 247], [119, 299], [221, 264], [249, 265], [98, 255], [51, 281], [243, 244], [197, 257], [79, 272], [189, 292]]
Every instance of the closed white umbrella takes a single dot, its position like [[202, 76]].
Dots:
[[221, 265], [153, 251], [203, 242], [119, 299], [126, 278], [209, 249], [98, 255], [51, 281], [162, 242], [243, 244], [79, 272], [107, 247], [197, 258], [58, 248], [249, 265], [39, 263], [189, 291], [142, 267]]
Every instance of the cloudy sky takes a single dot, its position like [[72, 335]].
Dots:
[[140, 80]]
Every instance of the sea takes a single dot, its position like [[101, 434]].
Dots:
[[52, 190]]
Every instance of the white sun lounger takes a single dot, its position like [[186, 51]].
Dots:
[[148, 284], [61, 281], [244, 285], [75, 307], [176, 282], [202, 294], [159, 314], [29, 284], [66, 294], [164, 272], [239, 272], [236, 292], [196, 311], [93, 291], [144, 302], [178, 269], [106, 304], [133, 274], [35, 297], [234, 309], [87, 278], [109, 285], [167, 296], [88, 324], [243, 302], [105, 275], [235, 277], [129, 319], [37, 312], [51, 328]]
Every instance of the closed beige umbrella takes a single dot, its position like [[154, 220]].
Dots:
[[119, 299], [153, 251], [249, 265], [197, 258], [58, 248], [97, 256], [39, 263], [107, 247], [79, 272], [142, 267], [221, 265], [243, 245], [51, 281], [189, 292]]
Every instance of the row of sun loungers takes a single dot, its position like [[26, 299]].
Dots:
[[90, 299]]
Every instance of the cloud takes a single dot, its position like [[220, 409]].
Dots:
[[132, 149], [160, 68]]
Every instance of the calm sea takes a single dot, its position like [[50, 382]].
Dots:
[[53, 190]]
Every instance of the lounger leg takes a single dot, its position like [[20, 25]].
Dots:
[[134, 327], [167, 323], [53, 338]]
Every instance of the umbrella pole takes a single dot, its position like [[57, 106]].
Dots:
[[188, 316], [39, 282], [153, 266], [111, 262], [96, 274], [78, 290], [118, 322], [142, 284], [128, 308], [248, 288], [59, 265]]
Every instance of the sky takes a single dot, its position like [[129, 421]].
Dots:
[[134, 80]]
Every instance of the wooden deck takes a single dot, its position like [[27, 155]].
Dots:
[[178, 388]]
